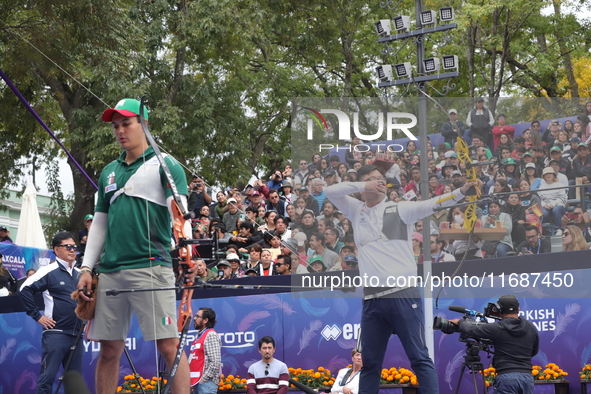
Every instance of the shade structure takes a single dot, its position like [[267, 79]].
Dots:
[[30, 232]]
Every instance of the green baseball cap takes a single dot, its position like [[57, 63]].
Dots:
[[88, 217], [555, 148], [508, 161], [582, 144], [127, 107]]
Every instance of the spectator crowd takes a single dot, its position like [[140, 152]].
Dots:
[[287, 225]]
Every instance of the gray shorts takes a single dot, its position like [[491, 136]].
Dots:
[[155, 310]]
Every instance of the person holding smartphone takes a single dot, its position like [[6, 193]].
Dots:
[[534, 243]]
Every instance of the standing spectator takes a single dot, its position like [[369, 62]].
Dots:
[[480, 121], [61, 326], [4, 234], [301, 175], [7, 281], [230, 218], [268, 376], [502, 128], [275, 181], [83, 234], [205, 360], [198, 196], [29, 273], [573, 239], [453, 128], [220, 205]]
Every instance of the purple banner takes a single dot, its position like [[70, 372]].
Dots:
[[310, 332]]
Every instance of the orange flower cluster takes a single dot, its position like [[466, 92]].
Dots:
[[130, 384], [231, 382], [489, 376], [551, 372], [585, 373], [311, 378], [398, 376]]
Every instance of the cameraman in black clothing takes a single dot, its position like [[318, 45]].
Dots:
[[515, 342]]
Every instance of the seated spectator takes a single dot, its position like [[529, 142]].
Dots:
[[553, 201], [286, 193], [283, 264], [502, 247], [347, 380], [7, 281], [266, 266], [276, 204], [260, 220], [317, 244], [438, 253], [219, 230], [291, 216], [247, 235], [534, 243], [351, 262], [511, 168], [309, 224], [316, 264], [417, 247], [572, 239], [204, 273], [502, 128], [311, 202], [234, 261], [224, 270], [529, 200], [250, 272], [457, 247], [580, 218], [269, 221], [254, 256], [331, 235], [532, 176], [435, 189], [505, 142], [514, 208]]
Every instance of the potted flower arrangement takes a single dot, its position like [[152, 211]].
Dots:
[[321, 377], [398, 376], [585, 373], [231, 382], [489, 376], [552, 372], [131, 384]]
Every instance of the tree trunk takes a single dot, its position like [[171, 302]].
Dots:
[[565, 53]]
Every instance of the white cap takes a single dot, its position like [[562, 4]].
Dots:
[[530, 165], [452, 111], [449, 153]]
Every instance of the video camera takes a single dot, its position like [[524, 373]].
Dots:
[[471, 316]]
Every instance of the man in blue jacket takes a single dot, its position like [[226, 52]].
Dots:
[[56, 281]]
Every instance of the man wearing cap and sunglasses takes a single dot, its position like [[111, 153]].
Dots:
[[61, 326], [453, 128], [515, 341], [132, 227]]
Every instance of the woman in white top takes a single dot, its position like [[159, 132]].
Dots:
[[347, 381]]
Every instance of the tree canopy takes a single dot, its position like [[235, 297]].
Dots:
[[220, 74]]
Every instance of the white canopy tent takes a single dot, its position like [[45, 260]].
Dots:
[[30, 231]]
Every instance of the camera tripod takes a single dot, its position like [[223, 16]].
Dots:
[[472, 361]]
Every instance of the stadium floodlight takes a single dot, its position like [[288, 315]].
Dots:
[[384, 73], [446, 14], [450, 62], [403, 70], [402, 22], [383, 27], [428, 18], [431, 65]]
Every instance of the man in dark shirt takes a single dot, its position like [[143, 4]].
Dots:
[[515, 341], [533, 243], [4, 234], [450, 131]]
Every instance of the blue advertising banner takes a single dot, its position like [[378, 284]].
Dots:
[[310, 331], [18, 259]]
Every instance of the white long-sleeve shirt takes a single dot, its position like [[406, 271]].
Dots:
[[351, 383], [383, 232]]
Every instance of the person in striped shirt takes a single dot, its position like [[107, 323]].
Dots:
[[268, 376]]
